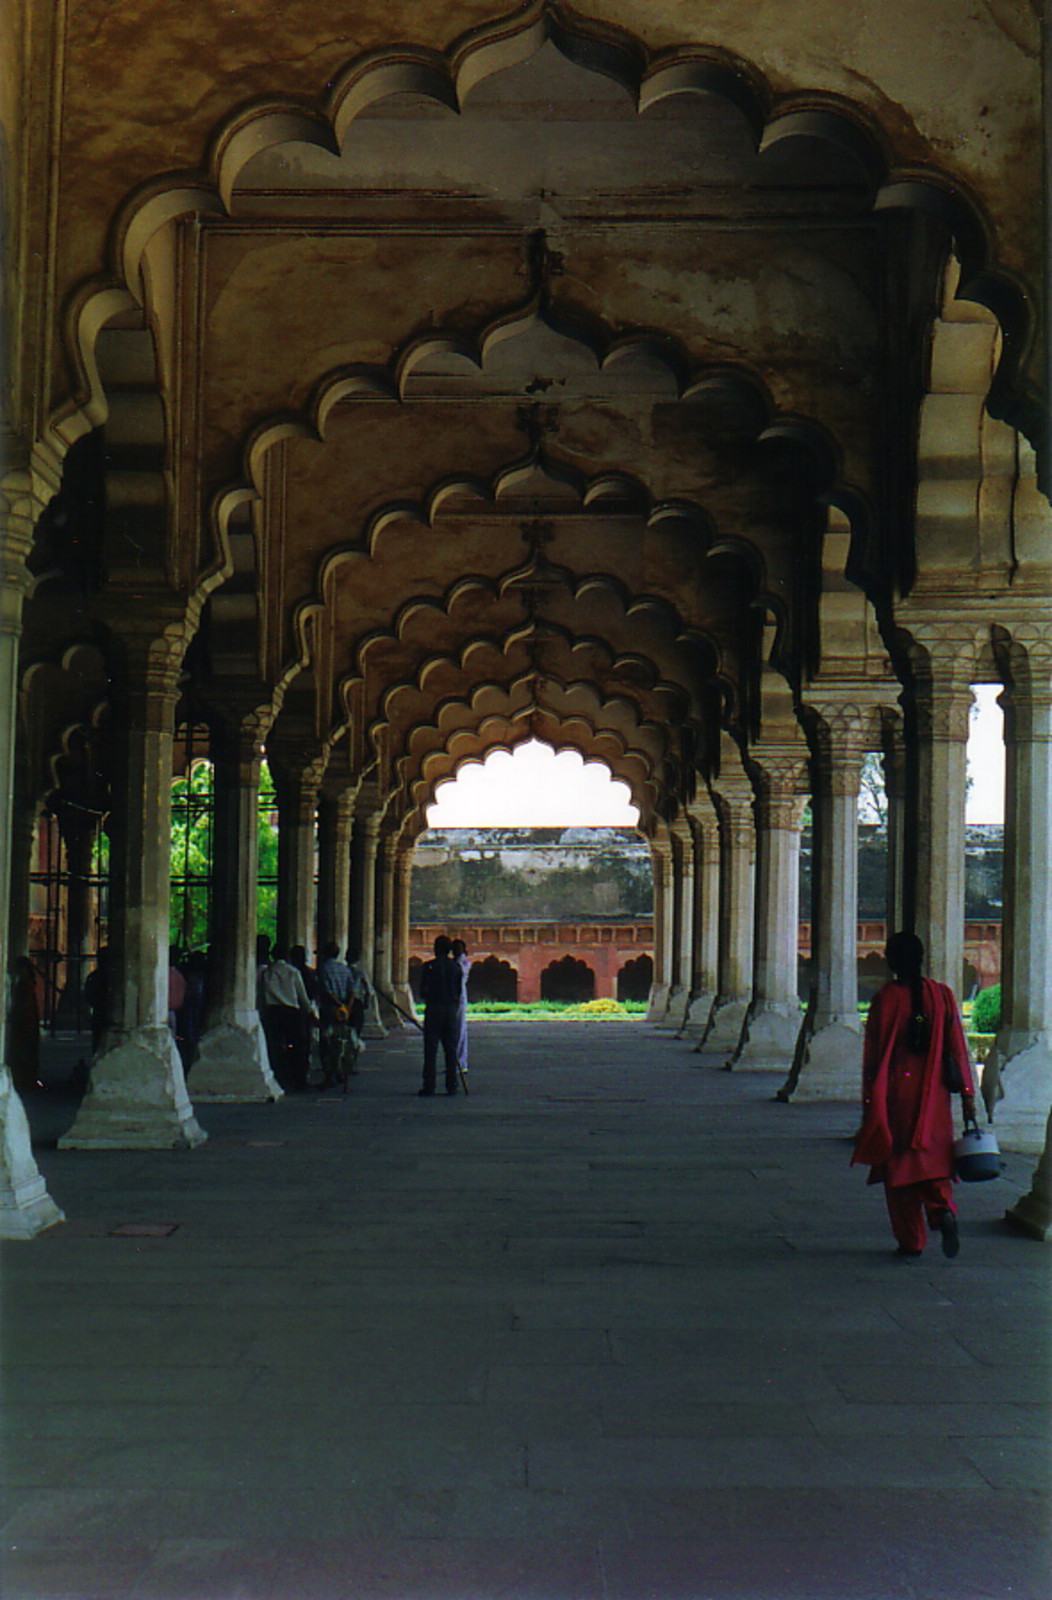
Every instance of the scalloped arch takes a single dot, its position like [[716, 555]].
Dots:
[[447, 77]]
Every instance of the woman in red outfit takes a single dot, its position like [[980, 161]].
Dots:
[[907, 1130]]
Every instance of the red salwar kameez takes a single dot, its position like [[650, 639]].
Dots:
[[907, 1130]]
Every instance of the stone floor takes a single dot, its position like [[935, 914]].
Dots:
[[616, 1326]]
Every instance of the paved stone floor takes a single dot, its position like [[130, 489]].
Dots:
[[616, 1326]]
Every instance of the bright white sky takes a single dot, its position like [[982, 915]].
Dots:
[[535, 787], [986, 756]]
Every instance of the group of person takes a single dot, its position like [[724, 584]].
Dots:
[[915, 1056], [296, 1002], [444, 993]]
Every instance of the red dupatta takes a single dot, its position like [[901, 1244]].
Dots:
[[885, 1033]]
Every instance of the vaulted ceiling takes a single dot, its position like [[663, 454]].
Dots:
[[503, 389]]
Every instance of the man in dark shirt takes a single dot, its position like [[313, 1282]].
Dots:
[[441, 983]]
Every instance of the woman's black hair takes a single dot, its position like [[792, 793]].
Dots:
[[905, 956]]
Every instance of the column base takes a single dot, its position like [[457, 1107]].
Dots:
[[676, 1009], [389, 1018], [231, 1064], [373, 1027], [769, 1037], [696, 1021], [403, 994], [657, 1004], [26, 1208], [137, 1099], [1017, 1089], [828, 1065], [725, 1028], [1032, 1213]]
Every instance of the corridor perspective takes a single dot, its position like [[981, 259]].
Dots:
[[614, 1326], [387, 387]]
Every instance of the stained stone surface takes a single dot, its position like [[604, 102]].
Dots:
[[616, 1326]]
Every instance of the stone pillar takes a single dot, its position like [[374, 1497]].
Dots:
[[664, 927], [365, 840], [297, 795], [25, 817], [383, 967], [896, 789], [828, 1063], [231, 1061], [1017, 1080], [403, 880], [705, 937], [683, 925], [772, 1024], [943, 672], [335, 818], [733, 799], [138, 1093], [26, 1208]]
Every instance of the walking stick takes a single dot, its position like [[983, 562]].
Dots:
[[391, 1001]]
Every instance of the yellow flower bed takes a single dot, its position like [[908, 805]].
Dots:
[[597, 1008]]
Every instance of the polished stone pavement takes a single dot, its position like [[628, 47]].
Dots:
[[616, 1326]]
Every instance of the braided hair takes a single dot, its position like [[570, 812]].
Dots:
[[905, 956]]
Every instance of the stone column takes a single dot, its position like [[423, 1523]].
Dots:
[[403, 879], [733, 799], [772, 1024], [943, 672], [26, 1208], [232, 1062], [683, 925], [828, 1064], [661, 856], [335, 819], [138, 1095], [297, 796], [1017, 1081], [25, 818], [383, 969], [896, 789], [365, 840], [705, 938]]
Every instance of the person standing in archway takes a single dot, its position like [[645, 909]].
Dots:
[[914, 1057], [463, 961], [441, 986]]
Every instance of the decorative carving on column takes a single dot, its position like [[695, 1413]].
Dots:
[[403, 881], [682, 907], [732, 796], [772, 1023], [138, 1095], [827, 1062], [943, 656], [365, 839], [661, 859], [705, 935], [26, 1208]]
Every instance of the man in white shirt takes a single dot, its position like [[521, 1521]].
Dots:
[[287, 1018]]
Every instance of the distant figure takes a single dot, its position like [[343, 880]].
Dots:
[[176, 992], [441, 986], [286, 1021], [343, 992], [913, 1041], [192, 1011], [463, 961], [97, 998], [23, 1026]]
